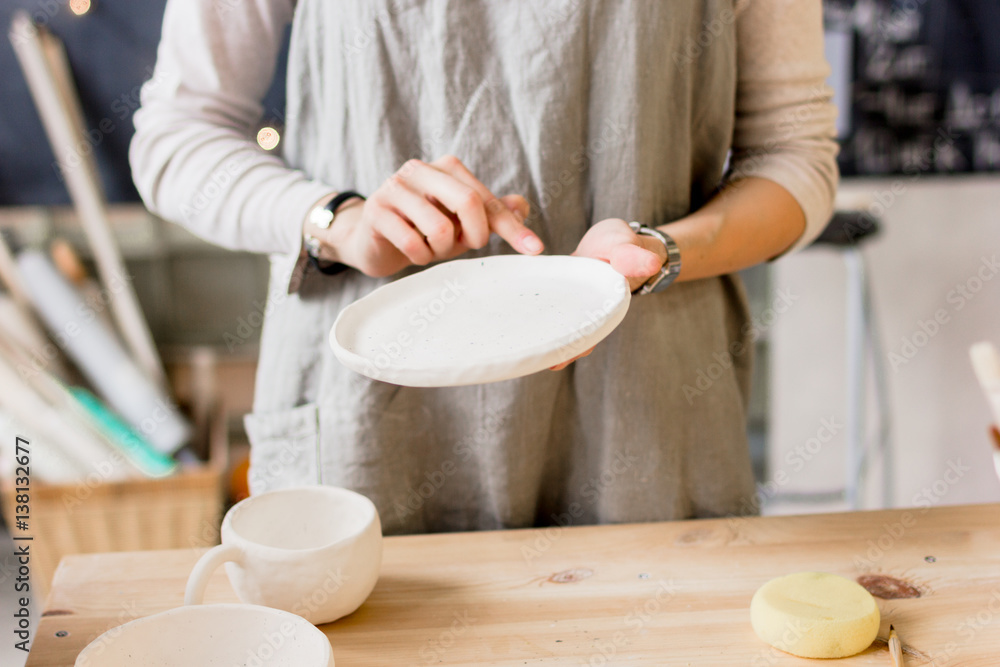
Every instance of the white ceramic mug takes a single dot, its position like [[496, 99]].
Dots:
[[314, 551]]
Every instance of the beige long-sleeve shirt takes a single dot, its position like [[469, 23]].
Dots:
[[591, 109], [196, 162]]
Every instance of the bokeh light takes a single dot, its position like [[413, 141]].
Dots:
[[80, 7], [268, 138]]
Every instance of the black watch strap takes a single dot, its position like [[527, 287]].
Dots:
[[327, 268], [324, 267]]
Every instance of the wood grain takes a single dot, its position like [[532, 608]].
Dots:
[[647, 594]]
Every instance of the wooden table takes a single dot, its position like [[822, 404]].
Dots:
[[648, 594]]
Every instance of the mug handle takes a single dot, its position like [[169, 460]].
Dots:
[[203, 569]]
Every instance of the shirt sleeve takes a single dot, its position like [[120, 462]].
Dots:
[[194, 156], [785, 119]]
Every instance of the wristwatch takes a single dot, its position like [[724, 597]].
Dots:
[[323, 217], [669, 270]]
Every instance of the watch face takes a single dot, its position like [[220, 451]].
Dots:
[[321, 217]]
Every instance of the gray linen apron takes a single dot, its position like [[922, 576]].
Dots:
[[591, 109]]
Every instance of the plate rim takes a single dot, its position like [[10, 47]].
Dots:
[[402, 375]]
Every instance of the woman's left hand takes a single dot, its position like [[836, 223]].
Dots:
[[636, 257]]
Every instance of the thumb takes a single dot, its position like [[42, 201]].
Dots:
[[634, 262]]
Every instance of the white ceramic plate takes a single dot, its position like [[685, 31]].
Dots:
[[217, 635], [472, 321]]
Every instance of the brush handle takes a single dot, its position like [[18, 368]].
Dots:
[[986, 364]]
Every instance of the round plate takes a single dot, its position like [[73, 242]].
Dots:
[[471, 321], [219, 635]]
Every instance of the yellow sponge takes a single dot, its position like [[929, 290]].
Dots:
[[815, 615]]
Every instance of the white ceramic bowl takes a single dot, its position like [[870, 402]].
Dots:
[[219, 635]]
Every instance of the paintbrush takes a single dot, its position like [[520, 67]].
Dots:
[[895, 648], [996, 449], [986, 363]]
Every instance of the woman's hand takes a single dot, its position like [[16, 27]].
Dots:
[[424, 213], [636, 257]]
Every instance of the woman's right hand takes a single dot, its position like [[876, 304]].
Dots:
[[423, 213]]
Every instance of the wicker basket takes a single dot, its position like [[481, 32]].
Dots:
[[183, 510]]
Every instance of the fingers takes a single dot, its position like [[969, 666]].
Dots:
[[509, 225], [503, 218], [400, 233], [559, 367], [437, 228], [456, 195], [439, 210]]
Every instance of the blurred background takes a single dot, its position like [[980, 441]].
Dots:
[[864, 395]]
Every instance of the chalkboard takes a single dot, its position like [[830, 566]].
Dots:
[[112, 50], [923, 88], [925, 96]]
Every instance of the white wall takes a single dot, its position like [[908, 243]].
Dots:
[[938, 234]]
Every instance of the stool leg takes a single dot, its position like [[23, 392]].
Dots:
[[854, 317], [880, 376]]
